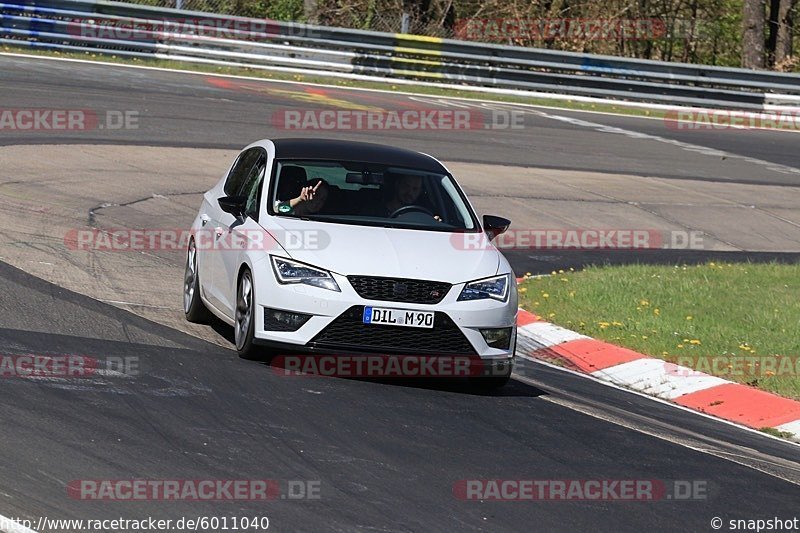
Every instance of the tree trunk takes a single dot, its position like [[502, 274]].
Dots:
[[310, 11], [772, 32], [784, 33], [753, 34]]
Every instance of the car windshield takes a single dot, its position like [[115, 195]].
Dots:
[[369, 194]]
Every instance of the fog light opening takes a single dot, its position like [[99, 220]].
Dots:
[[497, 337], [279, 320]]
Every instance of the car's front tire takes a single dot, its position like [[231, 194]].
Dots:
[[193, 306], [244, 323]]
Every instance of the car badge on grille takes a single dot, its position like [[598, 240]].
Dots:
[[400, 289], [434, 294]]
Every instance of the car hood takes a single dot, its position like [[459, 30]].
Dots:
[[377, 251]]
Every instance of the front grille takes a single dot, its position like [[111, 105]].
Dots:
[[350, 333], [414, 291]]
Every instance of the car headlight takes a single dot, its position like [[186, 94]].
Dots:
[[495, 288], [288, 271]]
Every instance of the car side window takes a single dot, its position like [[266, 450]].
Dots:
[[252, 186], [241, 171]]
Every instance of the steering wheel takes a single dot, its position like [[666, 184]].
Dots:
[[410, 208]]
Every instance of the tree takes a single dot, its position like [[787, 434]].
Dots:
[[779, 41], [754, 20], [310, 11]]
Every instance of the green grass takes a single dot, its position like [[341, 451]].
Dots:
[[566, 103], [777, 433], [729, 311]]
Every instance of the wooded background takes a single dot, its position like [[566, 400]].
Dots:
[[750, 33]]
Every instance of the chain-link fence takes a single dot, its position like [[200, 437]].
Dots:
[[694, 31]]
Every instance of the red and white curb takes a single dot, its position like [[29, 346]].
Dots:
[[742, 404]]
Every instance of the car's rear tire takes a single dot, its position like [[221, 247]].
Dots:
[[193, 306], [244, 321]]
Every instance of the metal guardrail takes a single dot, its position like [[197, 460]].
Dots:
[[100, 26]]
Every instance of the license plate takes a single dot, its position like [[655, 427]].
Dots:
[[398, 317]]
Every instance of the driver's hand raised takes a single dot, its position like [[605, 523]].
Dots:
[[307, 193]]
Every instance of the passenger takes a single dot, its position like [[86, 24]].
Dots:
[[309, 201], [290, 185], [316, 194]]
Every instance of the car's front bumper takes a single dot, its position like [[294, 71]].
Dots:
[[334, 325]]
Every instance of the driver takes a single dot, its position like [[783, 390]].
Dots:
[[406, 191]]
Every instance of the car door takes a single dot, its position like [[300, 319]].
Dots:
[[218, 226], [241, 232]]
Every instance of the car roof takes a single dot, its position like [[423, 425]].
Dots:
[[338, 150]]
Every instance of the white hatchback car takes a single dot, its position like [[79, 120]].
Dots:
[[340, 247]]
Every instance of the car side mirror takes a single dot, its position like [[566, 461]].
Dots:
[[494, 226], [235, 205]]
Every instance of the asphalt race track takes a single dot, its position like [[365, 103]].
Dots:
[[385, 454], [202, 111]]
